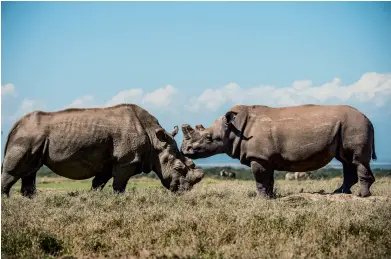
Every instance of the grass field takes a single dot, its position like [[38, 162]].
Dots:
[[217, 219]]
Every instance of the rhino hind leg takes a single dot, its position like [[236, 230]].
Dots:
[[366, 179], [264, 178], [7, 181], [20, 163], [350, 178], [28, 188]]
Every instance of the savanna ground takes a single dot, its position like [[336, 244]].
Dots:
[[217, 219]]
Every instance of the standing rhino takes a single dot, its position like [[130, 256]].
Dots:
[[119, 141], [297, 138]]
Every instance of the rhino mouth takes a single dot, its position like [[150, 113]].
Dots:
[[196, 155], [189, 152], [186, 184]]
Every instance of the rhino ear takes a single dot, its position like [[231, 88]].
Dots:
[[236, 119], [200, 127], [187, 131], [229, 117], [161, 135], [175, 131]]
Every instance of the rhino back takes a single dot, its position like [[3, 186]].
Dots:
[[83, 142]]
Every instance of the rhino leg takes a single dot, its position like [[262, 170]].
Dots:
[[100, 181], [264, 178], [28, 188], [20, 162], [366, 179], [350, 178], [121, 175], [7, 181]]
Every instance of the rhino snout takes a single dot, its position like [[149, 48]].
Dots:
[[196, 175], [189, 149]]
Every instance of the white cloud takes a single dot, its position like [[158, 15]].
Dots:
[[8, 89], [214, 99], [371, 88], [27, 106], [161, 97], [126, 96], [85, 101]]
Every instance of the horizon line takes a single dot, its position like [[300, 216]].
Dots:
[[239, 164]]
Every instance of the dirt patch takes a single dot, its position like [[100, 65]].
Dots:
[[333, 197]]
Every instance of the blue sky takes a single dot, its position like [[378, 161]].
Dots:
[[170, 58]]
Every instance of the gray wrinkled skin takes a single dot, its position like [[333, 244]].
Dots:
[[294, 139], [119, 141]]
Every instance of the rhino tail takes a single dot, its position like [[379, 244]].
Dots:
[[374, 157], [12, 131]]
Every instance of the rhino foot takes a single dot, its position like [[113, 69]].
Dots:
[[27, 193], [267, 195], [5, 195], [364, 194], [342, 190]]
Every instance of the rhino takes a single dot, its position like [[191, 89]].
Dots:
[[225, 173], [289, 176], [296, 138], [302, 175], [118, 141], [298, 175]]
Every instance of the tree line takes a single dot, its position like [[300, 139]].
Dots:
[[246, 174]]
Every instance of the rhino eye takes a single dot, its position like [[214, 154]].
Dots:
[[179, 166], [208, 137]]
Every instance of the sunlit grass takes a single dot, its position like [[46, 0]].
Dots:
[[217, 219]]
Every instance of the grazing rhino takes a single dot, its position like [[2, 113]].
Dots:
[[225, 173], [302, 175], [289, 176], [297, 175], [297, 138], [119, 141]]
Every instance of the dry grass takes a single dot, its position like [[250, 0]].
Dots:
[[218, 219]]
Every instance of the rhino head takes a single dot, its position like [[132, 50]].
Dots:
[[176, 172], [220, 138]]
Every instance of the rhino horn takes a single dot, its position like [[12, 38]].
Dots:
[[175, 131], [187, 130], [200, 127]]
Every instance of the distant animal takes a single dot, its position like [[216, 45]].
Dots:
[[297, 138], [290, 176], [297, 175], [302, 175], [119, 141], [228, 174]]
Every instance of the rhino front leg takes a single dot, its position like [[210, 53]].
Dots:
[[121, 175], [28, 188], [100, 180], [264, 178]]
